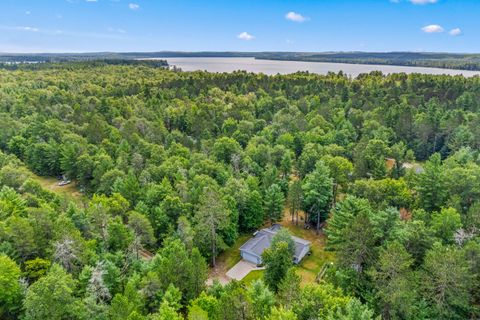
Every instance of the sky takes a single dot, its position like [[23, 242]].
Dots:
[[239, 25]]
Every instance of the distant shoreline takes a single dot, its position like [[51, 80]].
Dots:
[[451, 61]]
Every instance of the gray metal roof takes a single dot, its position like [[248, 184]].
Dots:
[[263, 238]]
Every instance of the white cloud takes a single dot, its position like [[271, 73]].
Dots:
[[433, 28], [293, 16], [111, 29], [455, 32], [423, 1], [133, 6], [91, 0], [31, 29], [245, 36], [66, 33], [27, 12]]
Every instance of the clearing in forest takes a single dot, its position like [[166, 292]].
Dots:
[[308, 268], [69, 191]]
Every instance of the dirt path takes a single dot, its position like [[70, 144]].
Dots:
[[218, 273]]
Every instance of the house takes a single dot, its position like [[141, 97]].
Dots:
[[252, 249]]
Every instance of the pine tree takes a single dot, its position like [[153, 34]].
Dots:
[[393, 280], [211, 217], [289, 289], [274, 201], [294, 199], [445, 281], [317, 193]]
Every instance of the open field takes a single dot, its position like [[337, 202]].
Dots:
[[69, 191]]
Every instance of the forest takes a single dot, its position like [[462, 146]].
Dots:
[[413, 59], [173, 167]]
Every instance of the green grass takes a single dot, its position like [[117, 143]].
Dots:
[[308, 268], [69, 191], [252, 276], [231, 256], [311, 265]]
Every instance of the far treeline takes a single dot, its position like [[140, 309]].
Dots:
[[180, 164], [76, 63], [459, 61], [412, 59]]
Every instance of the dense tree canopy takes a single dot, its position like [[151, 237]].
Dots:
[[168, 168]]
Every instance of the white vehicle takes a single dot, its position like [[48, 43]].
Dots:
[[64, 183]]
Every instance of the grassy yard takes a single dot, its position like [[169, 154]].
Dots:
[[310, 265], [69, 191], [231, 256], [252, 276], [308, 268]]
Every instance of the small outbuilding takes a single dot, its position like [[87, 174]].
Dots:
[[252, 249]]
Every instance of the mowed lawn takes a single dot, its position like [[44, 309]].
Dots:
[[311, 265]]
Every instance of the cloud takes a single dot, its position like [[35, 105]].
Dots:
[[118, 30], [455, 32], [433, 28], [245, 36], [66, 33], [91, 0], [27, 12], [133, 6], [421, 2], [297, 17], [31, 29]]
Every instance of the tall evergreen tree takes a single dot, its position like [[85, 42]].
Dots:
[[274, 202], [294, 199], [318, 192], [210, 218], [394, 283], [445, 278]]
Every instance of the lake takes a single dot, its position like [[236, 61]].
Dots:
[[271, 67]]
